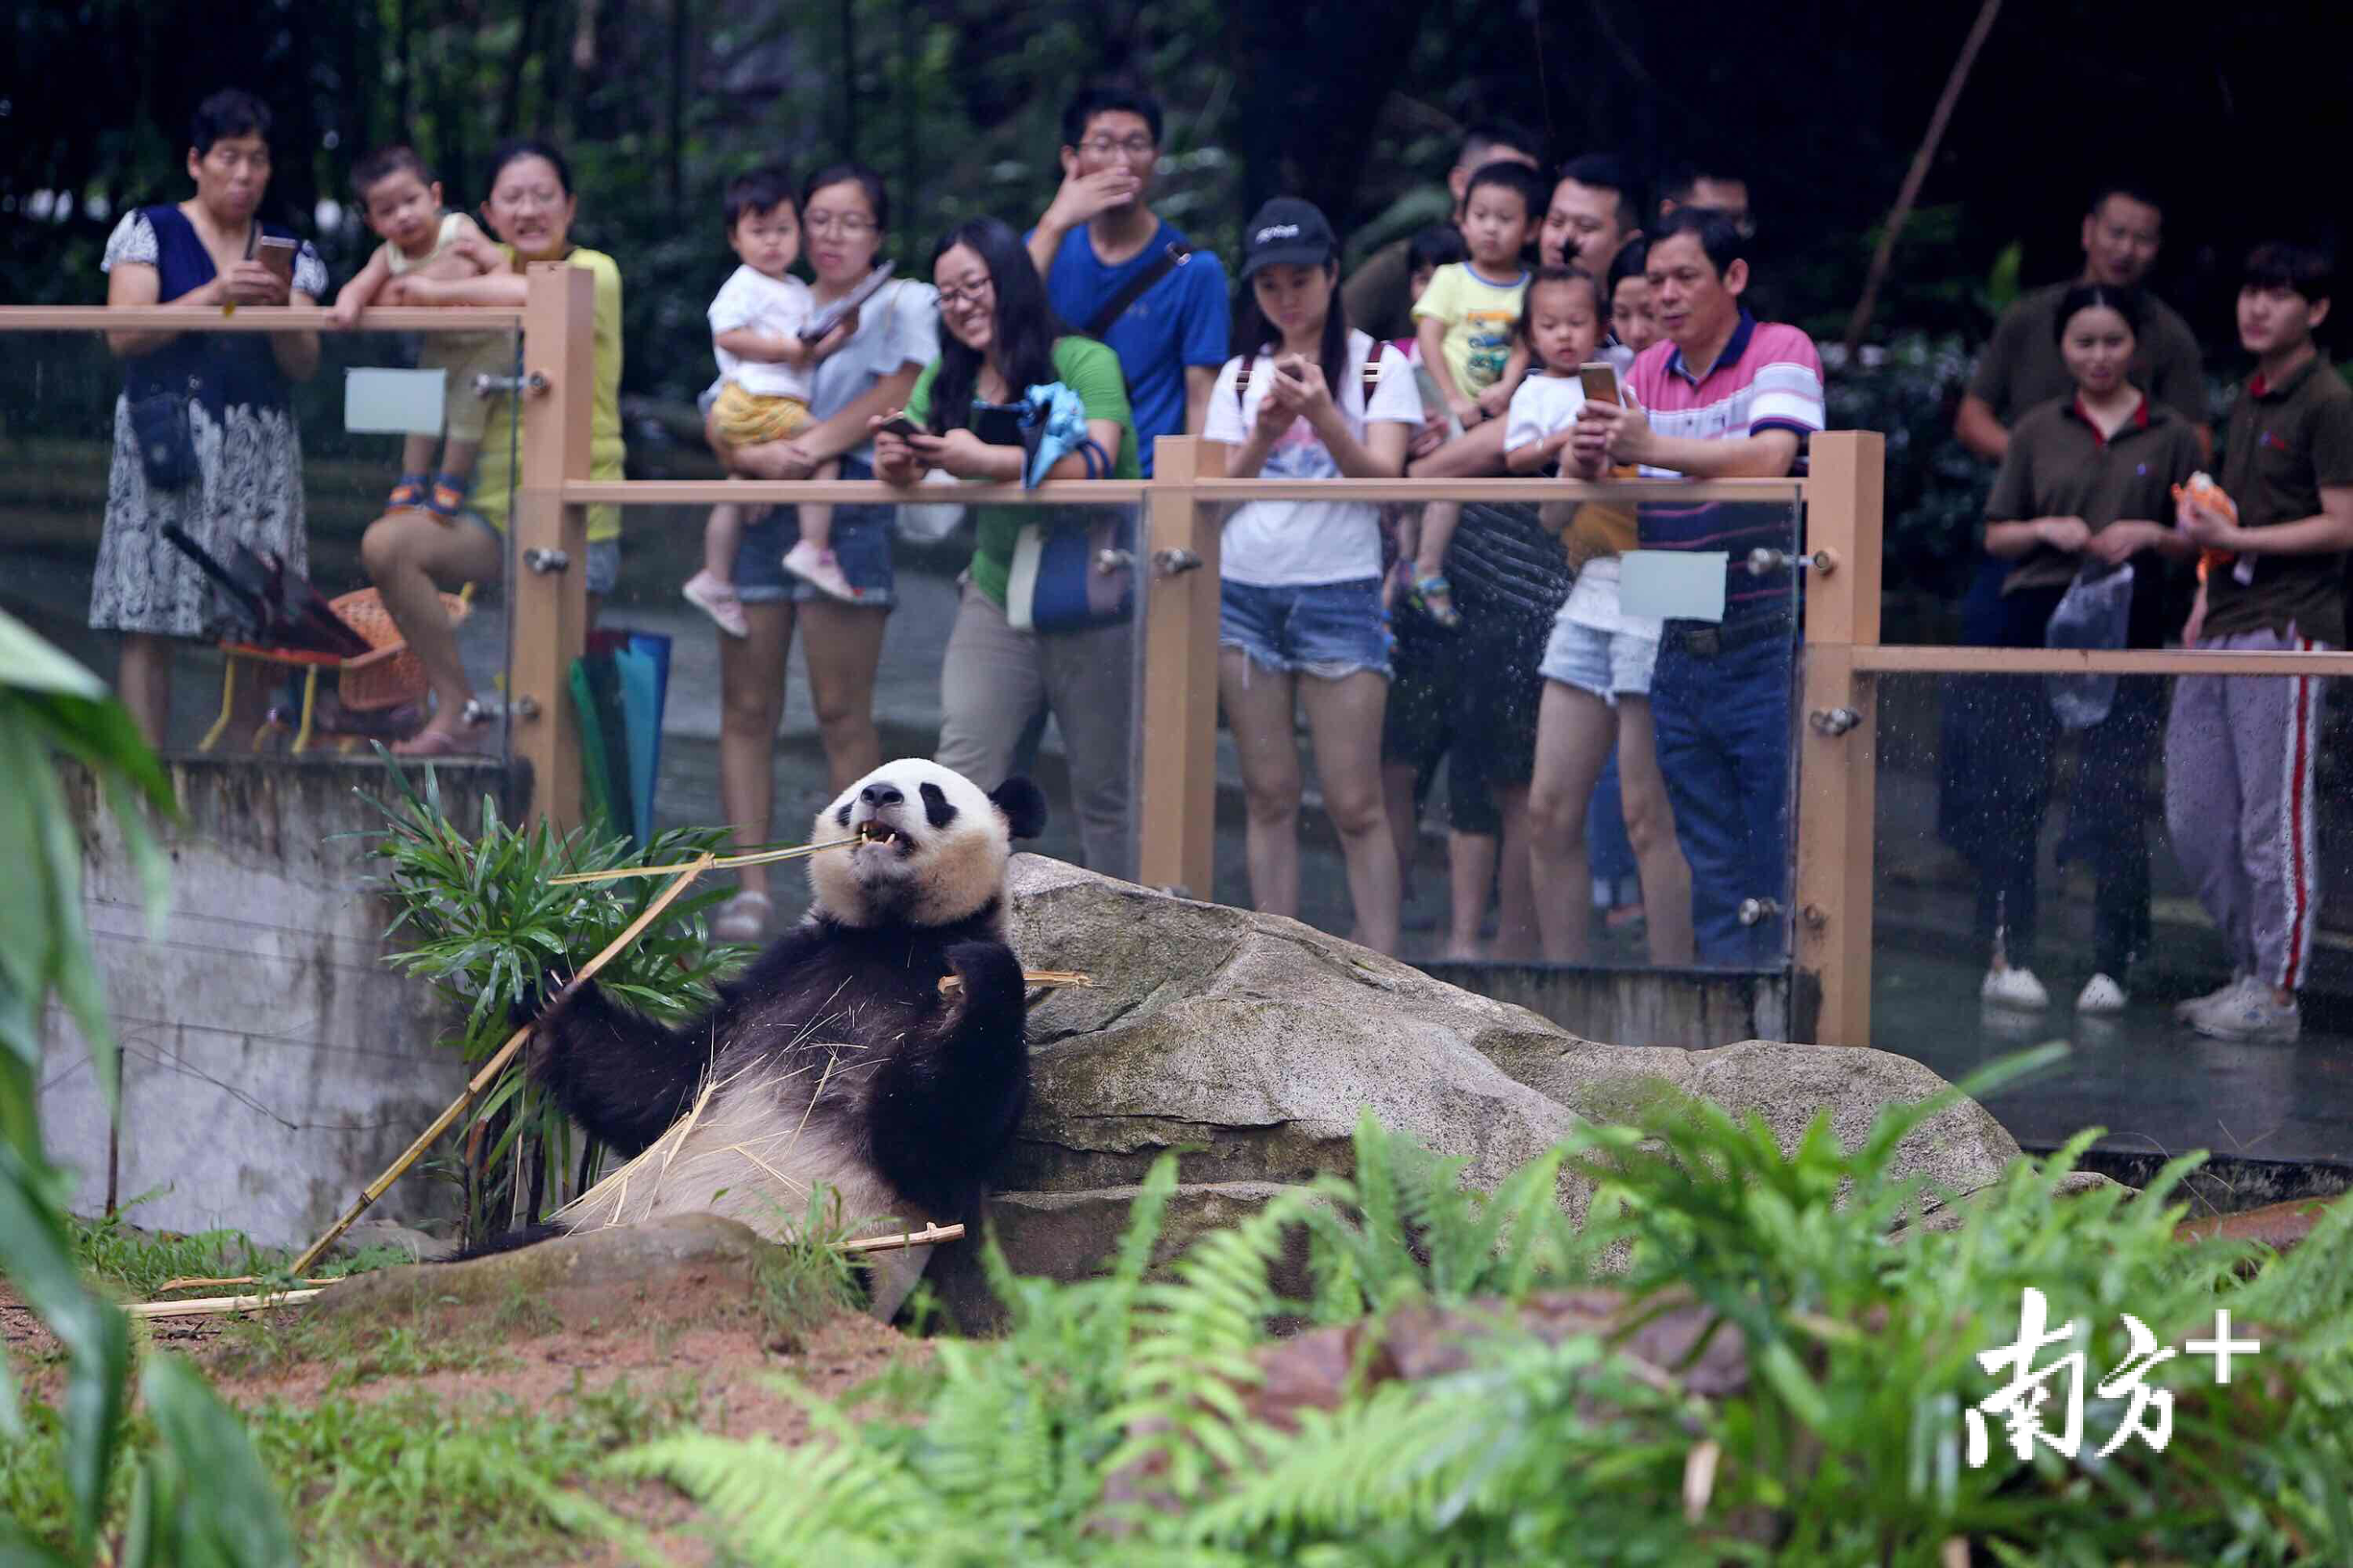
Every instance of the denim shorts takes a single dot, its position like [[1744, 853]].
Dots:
[[1327, 629], [604, 562], [861, 547], [1609, 663]]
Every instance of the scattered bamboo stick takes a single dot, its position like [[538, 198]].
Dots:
[[1045, 979], [923, 1238], [761, 857], [215, 1305], [497, 1064], [226, 1279]]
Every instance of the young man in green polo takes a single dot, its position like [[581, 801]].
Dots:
[[2239, 751]]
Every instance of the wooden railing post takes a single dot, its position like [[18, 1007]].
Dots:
[[1176, 785], [548, 610], [1838, 738]]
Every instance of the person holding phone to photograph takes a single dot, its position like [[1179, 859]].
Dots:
[[203, 436], [998, 338], [1597, 665], [1299, 623]]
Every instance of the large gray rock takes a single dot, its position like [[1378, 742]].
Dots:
[[1261, 1040]]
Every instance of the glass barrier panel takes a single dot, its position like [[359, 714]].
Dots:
[[766, 719], [1483, 756], [291, 462], [272, 1062], [2058, 859]]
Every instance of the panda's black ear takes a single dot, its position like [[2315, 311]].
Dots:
[[1023, 804]]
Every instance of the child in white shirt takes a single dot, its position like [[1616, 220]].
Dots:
[[767, 368]]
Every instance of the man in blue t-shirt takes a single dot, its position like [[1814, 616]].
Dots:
[[1099, 236]]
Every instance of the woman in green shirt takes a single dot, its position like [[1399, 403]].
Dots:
[[998, 338]]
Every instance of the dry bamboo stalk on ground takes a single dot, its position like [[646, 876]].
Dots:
[[226, 1279], [761, 857], [1047, 979], [497, 1064], [213, 1305], [923, 1238]]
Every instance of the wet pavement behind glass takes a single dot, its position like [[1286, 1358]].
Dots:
[[2156, 1087]]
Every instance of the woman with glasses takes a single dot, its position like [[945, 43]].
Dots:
[[998, 339], [407, 554], [893, 334]]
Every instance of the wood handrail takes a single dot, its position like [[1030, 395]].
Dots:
[[1124, 492], [253, 318], [1924, 659]]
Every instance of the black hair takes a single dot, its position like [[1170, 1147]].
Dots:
[[231, 111], [762, 189], [1024, 327], [1480, 141], [850, 174], [1684, 178], [2304, 270], [521, 147], [1253, 333], [382, 165], [1434, 247], [1108, 98], [1556, 273], [1631, 261], [1508, 175], [2132, 190], [1718, 235], [1608, 171], [2124, 302]]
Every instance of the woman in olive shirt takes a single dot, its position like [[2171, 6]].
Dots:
[[2082, 486], [998, 338]]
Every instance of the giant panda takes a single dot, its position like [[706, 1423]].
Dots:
[[834, 1058]]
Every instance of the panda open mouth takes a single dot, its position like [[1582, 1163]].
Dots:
[[871, 831]]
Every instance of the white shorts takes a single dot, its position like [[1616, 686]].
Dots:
[[1609, 663]]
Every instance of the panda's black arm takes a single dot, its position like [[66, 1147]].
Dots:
[[949, 1103], [622, 1076]]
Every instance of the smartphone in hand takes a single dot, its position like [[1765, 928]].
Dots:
[[1599, 380], [898, 423], [277, 255]]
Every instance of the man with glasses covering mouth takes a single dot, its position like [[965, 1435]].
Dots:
[[1114, 271]]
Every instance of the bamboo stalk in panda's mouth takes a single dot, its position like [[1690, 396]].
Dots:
[[759, 857]]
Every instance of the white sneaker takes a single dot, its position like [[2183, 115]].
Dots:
[[743, 917], [2014, 987], [716, 600], [807, 562], [2252, 1016], [2191, 1011], [2100, 995]]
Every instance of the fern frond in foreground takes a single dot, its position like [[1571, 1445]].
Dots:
[[1133, 1421]]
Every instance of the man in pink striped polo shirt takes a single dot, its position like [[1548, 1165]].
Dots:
[[1723, 395]]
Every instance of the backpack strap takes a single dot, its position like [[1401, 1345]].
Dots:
[[1168, 260]]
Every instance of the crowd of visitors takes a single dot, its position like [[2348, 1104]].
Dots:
[[1597, 755]]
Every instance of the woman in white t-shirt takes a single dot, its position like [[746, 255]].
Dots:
[[1300, 589], [843, 211], [1597, 665]]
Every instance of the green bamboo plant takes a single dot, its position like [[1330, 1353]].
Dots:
[[198, 1494], [483, 918]]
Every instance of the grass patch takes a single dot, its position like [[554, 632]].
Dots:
[[425, 1339], [133, 1264], [410, 1479]]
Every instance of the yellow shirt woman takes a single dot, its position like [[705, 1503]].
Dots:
[[494, 470]]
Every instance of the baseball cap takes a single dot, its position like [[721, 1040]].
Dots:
[[1287, 230]]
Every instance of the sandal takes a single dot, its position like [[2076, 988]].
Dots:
[[743, 917], [409, 493], [434, 742], [448, 495], [1436, 598]]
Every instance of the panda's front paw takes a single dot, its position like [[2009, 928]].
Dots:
[[992, 975], [540, 1005]]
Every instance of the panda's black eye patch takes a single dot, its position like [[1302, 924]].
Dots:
[[935, 809], [842, 814]]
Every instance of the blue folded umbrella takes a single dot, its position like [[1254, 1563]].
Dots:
[[1056, 408]]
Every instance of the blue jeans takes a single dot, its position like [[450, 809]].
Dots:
[[1723, 723], [861, 537], [1327, 629]]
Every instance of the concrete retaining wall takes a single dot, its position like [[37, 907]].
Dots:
[[272, 1064], [1693, 1009]]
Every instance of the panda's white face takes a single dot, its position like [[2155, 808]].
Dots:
[[932, 847]]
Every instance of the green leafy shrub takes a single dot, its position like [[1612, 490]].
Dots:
[[484, 920], [1114, 1423]]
